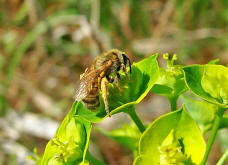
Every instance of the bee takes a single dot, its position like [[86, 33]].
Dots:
[[104, 70]]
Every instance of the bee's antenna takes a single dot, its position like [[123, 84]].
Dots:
[[126, 59]]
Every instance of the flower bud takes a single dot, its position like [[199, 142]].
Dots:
[[170, 151]]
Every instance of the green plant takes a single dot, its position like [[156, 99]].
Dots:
[[173, 138]]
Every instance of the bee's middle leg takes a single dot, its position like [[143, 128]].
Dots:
[[104, 90]]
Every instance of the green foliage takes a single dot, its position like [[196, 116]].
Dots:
[[171, 151], [173, 138], [30, 42], [224, 121], [202, 111], [127, 135], [171, 83], [209, 82], [186, 137], [215, 61], [70, 143], [72, 137]]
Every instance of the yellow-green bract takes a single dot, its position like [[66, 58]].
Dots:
[[70, 144], [209, 82], [186, 132]]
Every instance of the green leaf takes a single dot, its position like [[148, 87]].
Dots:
[[127, 135], [158, 141], [144, 74], [215, 61], [202, 111], [171, 83], [93, 160], [162, 90], [70, 143], [209, 82]]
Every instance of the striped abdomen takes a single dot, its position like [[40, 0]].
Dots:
[[91, 101]]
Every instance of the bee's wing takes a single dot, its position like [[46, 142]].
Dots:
[[82, 91], [87, 80]]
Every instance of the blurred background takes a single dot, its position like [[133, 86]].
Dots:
[[46, 44]]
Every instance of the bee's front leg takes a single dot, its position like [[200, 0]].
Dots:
[[125, 71], [117, 81], [104, 90], [109, 79]]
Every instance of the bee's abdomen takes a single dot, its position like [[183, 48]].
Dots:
[[91, 101]]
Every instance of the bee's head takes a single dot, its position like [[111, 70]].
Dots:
[[123, 59]]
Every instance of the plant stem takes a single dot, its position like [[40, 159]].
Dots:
[[94, 160], [223, 159], [136, 119], [212, 135], [173, 103]]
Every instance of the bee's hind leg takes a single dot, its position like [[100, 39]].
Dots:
[[104, 90]]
